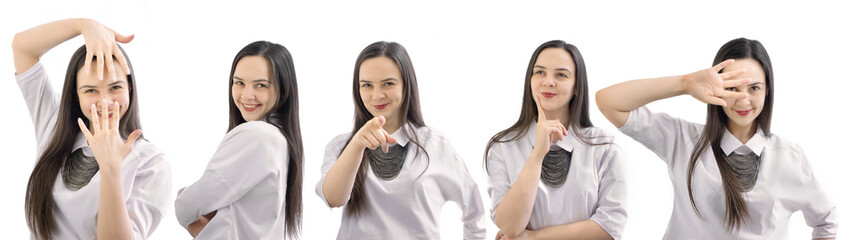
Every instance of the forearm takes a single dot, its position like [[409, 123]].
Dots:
[[113, 221], [28, 46], [586, 229], [513, 212], [616, 101], [339, 180]]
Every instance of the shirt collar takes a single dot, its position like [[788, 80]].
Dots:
[[567, 143], [730, 143], [400, 137], [80, 142]]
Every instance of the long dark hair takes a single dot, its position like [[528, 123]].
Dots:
[[578, 106], [736, 213], [409, 112], [285, 117], [39, 195]]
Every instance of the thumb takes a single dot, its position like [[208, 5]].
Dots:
[[380, 121], [122, 38], [132, 138]]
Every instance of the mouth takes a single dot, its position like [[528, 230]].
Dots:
[[250, 107], [744, 112], [100, 114], [381, 106], [548, 94]]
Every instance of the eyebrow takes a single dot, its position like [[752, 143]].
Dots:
[[257, 80], [757, 83], [111, 84], [384, 80], [558, 69]]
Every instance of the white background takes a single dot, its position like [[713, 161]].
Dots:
[[470, 59]]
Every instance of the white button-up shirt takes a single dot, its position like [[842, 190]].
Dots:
[[785, 182], [594, 188], [245, 182], [147, 176], [408, 206]]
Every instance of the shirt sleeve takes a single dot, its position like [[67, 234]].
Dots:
[[661, 133], [465, 192], [331, 154], [611, 213], [151, 192], [42, 103], [249, 153], [499, 183], [819, 211]]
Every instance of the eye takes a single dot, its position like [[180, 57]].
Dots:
[[755, 88], [539, 72], [365, 85], [731, 89], [389, 84], [89, 91], [562, 75], [117, 87], [238, 83], [261, 85]]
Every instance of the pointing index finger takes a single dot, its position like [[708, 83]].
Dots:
[[541, 110]]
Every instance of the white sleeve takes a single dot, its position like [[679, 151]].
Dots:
[[249, 153], [499, 183], [464, 191], [660, 132], [611, 213], [150, 196], [331, 154], [819, 211], [42, 103]]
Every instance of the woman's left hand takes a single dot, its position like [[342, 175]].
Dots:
[[106, 143]]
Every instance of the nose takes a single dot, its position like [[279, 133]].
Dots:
[[746, 101], [248, 94], [548, 81], [378, 94]]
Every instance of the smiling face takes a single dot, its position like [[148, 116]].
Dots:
[[381, 88], [742, 112], [253, 91], [92, 90], [553, 81]]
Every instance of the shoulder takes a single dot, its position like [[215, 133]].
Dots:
[[257, 131], [339, 140], [785, 147], [147, 153]]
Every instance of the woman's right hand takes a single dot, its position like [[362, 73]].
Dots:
[[547, 131], [102, 42], [709, 86], [371, 135]]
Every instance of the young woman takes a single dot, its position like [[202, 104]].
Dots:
[[732, 177], [552, 175], [88, 182], [251, 188], [393, 174]]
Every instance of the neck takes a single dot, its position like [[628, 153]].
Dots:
[[562, 115], [391, 125], [743, 133]]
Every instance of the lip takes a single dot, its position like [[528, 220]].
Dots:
[[381, 106], [549, 94], [101, 114], [247, 109], [744, 112]]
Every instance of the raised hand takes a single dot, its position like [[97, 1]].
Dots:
[[372, 135], [105, 141], [102, 42], [547, 131], [709, 86]]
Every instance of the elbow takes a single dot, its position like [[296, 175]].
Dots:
[[508, 231], [601, 101], [16, 42]]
